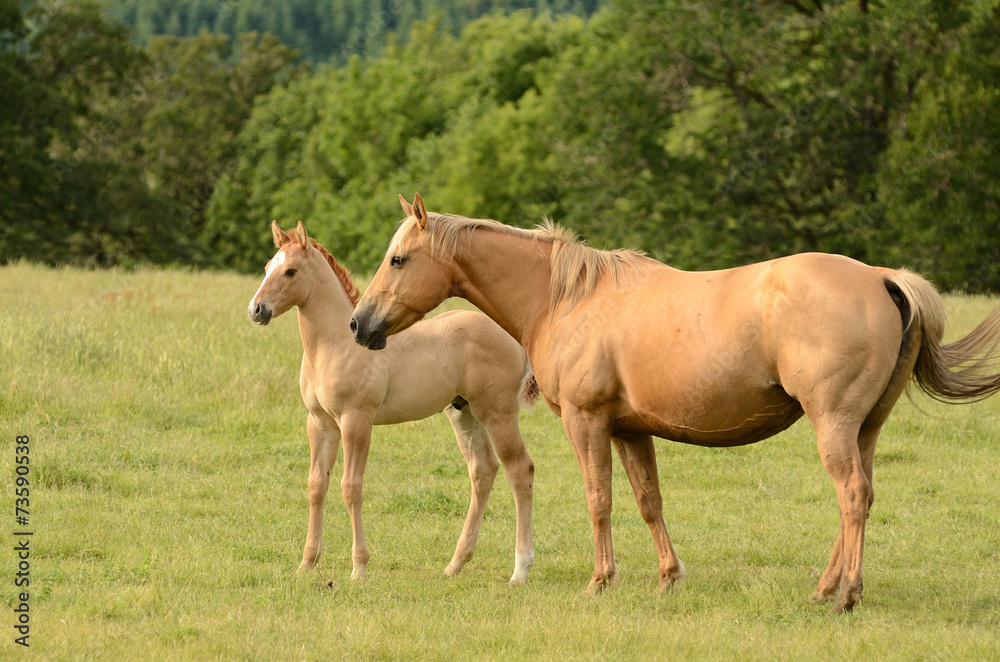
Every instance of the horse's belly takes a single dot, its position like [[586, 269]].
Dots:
[[402, 410], [725, 419]]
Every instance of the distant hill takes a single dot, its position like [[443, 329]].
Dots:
[[321, 29]]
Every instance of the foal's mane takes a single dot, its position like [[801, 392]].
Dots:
[[576, 268], [343, 275]]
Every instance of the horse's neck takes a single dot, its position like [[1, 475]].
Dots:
[[507, 277], [324, 317]]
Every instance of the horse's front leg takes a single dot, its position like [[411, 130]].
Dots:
[[638, 456], [324, 440], [357, 431], [590, 435]]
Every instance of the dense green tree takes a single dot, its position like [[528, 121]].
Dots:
[[28, 110], [708, 134], [328, 151], [109, 153], [939, 180], [320, 29], [61, 199], [335, 152], [198, 93], [270, 178]]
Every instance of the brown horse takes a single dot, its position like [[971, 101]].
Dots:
[[624, 348], [459, 362]]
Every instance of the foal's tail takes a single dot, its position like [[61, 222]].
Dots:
[[529, 388], [966, 370]]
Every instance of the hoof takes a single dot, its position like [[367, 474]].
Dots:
[[850, 597], [600, 584], [847, 602], [518, 579], [451, 571], [672, 579], [522, 564], [843, 607], [820, 597]]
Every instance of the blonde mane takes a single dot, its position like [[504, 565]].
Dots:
[[343, 275], [576, 268]]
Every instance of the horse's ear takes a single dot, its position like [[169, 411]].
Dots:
[[419, 211], [301, 236], [280, 236], [407, 207]]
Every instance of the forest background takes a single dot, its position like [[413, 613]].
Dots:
[[709, 134]]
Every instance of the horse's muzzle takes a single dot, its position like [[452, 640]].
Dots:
[[259, 313], [366, 333]]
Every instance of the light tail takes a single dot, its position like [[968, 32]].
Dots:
[[967, 370]]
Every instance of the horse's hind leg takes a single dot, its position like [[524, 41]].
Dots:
[[638, 456], [836, 580], [504, 432], [483, 465], [839, 449]]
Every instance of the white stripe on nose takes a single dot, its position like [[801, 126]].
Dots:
[[275, 262]]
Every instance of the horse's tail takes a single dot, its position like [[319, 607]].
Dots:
[[966, 370], [529, 388]]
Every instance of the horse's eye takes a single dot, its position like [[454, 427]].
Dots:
[[290, 272], [397, 261]]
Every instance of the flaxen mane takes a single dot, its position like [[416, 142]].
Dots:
[[576, 268], [342, 273]]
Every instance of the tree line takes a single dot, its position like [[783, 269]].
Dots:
[[322, 30], [708, 134]]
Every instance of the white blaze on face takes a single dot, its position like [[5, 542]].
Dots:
[[275, 262]]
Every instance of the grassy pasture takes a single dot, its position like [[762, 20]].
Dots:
[[168, 504]]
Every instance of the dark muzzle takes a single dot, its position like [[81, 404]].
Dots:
[[259, 313], [366, 332]]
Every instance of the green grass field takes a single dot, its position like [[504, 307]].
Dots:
[[168, 506]]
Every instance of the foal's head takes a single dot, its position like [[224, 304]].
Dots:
[[287, 275], [412, 280]]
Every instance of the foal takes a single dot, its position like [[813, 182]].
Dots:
[[461, 362]]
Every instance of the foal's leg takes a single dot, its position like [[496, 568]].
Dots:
[[638, 456], [356, 427], [591, 438], [324, 439], [501, 422], [483, 466]]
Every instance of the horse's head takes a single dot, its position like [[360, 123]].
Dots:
[[287, 275], [411, 281]]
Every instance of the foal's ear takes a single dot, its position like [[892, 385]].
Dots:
[[419, 211], [407, 207], [301, 236], [280, 236]]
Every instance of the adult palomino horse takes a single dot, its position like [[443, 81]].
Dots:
[[624, 348], [461, 362]]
